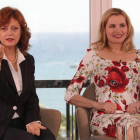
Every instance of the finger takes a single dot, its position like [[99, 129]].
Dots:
[[134, 110], [113, 108], [32, 129], [137, 108], [42, 127], [28, 129], [107, 110], [36, 131]]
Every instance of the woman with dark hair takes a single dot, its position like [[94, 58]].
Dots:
[[19, 104], [114, 65]]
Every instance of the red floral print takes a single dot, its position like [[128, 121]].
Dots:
[[88, 50], [126, 107], [108, 101], [100, 112], [123, 101], [96, 124], [119, 107], [135, 95], [101, 83], [80, 79], [116, 63], [135, 71], [96, 78], [137, 88], [117, 119], [124, 63], [91, 116], [124, 68], [116, 79], [72, 81], [81, 65], [137, 60], [110, 130]]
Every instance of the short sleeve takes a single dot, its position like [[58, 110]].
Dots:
[[84, 71]]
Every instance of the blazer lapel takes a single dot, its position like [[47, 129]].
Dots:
[[7, 74], [23, 67]]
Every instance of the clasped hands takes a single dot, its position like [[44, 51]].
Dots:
[[34, 128], [111, 108]]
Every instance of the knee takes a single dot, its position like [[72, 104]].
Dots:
[[29, 136], [47, 135]]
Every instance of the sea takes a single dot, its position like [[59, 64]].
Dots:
[[56, 58]]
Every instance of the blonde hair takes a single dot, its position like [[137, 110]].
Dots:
[[102, 40]]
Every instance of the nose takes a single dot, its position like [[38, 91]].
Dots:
[[9, 32], [117, 29]]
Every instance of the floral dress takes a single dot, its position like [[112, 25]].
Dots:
[[116, 82]]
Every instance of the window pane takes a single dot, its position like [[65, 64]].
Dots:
[[60, 34], [132, 9]]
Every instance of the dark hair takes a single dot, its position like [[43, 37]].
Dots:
[[6, 14]]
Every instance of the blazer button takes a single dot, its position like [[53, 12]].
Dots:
[[14, 107]]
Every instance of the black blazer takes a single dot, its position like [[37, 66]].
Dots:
[[27, 103]]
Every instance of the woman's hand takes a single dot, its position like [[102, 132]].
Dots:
[[133, 108], [107, 107], [34, 128], [1, 52]]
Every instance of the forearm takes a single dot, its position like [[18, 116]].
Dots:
[[78, 100]]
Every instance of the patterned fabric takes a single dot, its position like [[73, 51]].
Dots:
[[116, 82]]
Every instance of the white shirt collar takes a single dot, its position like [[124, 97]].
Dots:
[[19, 59]]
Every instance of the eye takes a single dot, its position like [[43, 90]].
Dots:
[[3, 28], [15, 28], [111, 26], [122, 25]]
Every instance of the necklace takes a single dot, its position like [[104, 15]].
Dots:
[[15, 59]]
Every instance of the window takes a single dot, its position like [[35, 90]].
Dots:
[[60, 38]]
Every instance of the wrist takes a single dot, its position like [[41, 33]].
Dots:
[[94, 104]]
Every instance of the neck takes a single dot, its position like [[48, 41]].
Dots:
[[11, 54], [116, 48]]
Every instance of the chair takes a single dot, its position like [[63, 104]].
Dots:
[[83, 115], [51, 119]]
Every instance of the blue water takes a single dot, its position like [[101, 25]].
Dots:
[[54, 53]]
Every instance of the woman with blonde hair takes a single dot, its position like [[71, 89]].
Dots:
[[114, 64]]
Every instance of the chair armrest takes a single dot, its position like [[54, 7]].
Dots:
[[83, 123], [51, 118]]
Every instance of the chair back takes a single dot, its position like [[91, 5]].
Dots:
[[89, 92], [51, 118]]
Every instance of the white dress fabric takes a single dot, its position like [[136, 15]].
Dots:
[[116, 82]]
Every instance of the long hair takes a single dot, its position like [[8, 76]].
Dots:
[[102, 40], [6, 14]]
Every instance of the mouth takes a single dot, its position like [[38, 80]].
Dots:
[[118, 35], [9, 39]]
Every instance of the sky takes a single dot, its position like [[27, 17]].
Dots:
[[53, 15], [66, 15]]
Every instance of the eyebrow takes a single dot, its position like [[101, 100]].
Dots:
[[114, 23], [11, 26]]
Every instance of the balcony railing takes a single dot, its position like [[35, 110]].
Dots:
[[63, 84]]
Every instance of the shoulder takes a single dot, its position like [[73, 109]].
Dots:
[[29, 57], [92, 52], [90, 55], [138, 53]]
